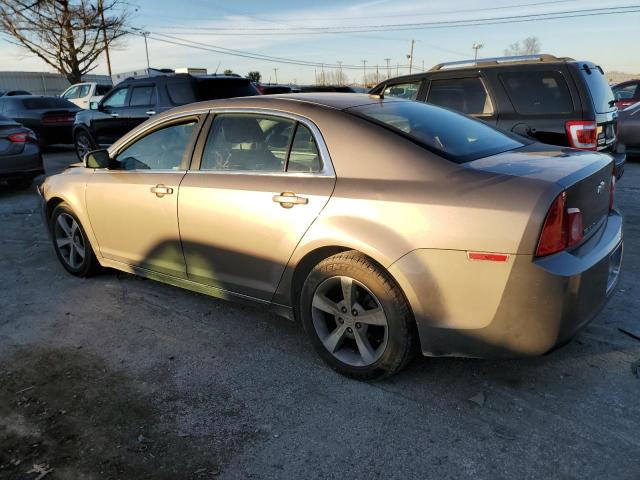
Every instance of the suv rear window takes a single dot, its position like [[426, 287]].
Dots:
[[538, 92], [46, 102], [453, 136], [466, 95], [601, 94]]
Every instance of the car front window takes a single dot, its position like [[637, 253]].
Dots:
[[162, 149], [117, 98]]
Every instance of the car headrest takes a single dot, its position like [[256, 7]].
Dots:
[[242, 130]]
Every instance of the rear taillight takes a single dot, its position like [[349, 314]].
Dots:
[[562, 228], [21, 137], [583, 135], [58, 119]]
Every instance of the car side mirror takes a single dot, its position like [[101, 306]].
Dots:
[[97, 159], [94, 105]]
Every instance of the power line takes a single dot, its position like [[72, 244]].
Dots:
[[235, 31]]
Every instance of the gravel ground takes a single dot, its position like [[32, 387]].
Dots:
[[116, 377]]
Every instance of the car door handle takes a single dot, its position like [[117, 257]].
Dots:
[[161, 190], [289, 199], [150, 112]]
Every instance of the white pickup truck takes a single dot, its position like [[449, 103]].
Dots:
[[83, 93]]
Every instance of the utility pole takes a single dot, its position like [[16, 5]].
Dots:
[[364, 73], [397, 69], [104, 35], [341, 78], [146, 48], [377, 75], [275, 74], [322, 73], [388, 71], [476, 46], [410, 56]]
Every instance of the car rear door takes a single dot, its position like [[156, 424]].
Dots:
[[542, 98], [258, 182], [133, 207], [143, 100]]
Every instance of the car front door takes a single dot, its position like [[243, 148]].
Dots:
[[133, 206], [110, 121], [258, 183]]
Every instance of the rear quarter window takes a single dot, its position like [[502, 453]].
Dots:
[[599, 89], [181, 92], [449, 134], [213, 89], [538, 92], [466, 95]]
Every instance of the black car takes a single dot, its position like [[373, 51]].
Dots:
[[559, 101], [20, 159], [272, 88], [133, 101], [13, 93], [51, 118], [629, 129], [325, 88]]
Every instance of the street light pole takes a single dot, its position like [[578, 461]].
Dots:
[[411, 56], [364, 73], [275, 74], [476, 47], [341, 78], [388, 70]]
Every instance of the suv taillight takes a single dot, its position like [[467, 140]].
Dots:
[[583, 135], [562, 228]]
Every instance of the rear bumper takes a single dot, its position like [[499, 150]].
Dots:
[[522, 307], [26, 164], [54, 134]]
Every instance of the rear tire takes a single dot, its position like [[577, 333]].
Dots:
[[71, 243], [377, 336], [84, 143]]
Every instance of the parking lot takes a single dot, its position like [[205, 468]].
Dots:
[[116, 377]]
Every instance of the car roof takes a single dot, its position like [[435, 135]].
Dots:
[[291, 102]]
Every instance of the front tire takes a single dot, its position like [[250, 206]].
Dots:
[[71, 243], [83, 143], [357, 318]]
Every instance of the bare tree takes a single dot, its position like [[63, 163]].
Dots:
[[68, 35], [529, 46]]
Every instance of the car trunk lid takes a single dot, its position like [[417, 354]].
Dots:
[[584, 176]]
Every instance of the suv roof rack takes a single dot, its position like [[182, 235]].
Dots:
[[542, 57]]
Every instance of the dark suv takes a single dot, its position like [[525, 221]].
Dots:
[[552, 100], [133, 101]]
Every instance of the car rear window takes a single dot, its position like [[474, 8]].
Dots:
[[46, 102], [451, 135], [214, 88], [538, 92], [601, 93], [466, 95]]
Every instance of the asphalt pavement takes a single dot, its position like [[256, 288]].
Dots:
[[116, 377]]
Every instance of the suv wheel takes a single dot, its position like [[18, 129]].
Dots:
[[83, 143], [357, 317]]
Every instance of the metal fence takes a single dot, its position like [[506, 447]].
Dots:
[[43, 83]]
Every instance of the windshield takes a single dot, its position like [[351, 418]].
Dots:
[[451, 135], [38, 103], [601, 93]]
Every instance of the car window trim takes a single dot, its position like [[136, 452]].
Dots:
[[199, 116], [326, 169]]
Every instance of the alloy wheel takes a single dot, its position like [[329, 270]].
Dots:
[[69, 240], [83, 145], [349, 321]]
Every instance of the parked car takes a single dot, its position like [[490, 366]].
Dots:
[[629, 129], [385, 226], [325, 88], [133, 101], [272, 88], [626, 93], [82, 94], [12, 93], [20, 159], [51, 118], [552, 100]]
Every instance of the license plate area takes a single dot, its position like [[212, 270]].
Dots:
[[615, 262]]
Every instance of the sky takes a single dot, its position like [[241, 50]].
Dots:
[[264, 27]]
